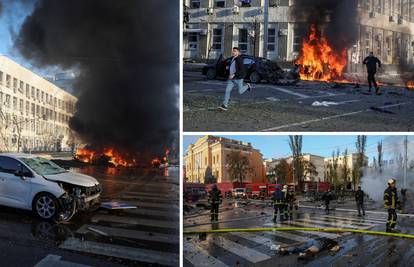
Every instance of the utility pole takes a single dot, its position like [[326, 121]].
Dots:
[[266, 26], [405, 160]]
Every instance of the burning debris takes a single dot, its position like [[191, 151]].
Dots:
[[319, 60], [127, 87]]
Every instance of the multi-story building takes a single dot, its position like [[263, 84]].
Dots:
[[34, 113], [350, 161], [316, 161], [215, 26], [209, 155]]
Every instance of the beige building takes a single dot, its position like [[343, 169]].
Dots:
[[209, 154], [215, 26], [34, 113], [317, 161], [350, 160]]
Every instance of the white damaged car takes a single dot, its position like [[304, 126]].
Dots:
[[34, 183]]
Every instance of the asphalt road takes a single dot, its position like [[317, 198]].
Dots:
[[295, 108], [255, 248], [138, 237]]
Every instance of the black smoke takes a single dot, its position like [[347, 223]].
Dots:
[[338, 18], [127, 54]]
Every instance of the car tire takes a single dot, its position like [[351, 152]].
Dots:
[[211, 74], [45, 206], [254, 77]]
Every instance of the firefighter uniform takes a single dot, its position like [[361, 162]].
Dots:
[[278, 200], [214, 199], [391, 203], [285, 206], [291, 199]]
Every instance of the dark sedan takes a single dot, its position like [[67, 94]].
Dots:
[[258, 69]]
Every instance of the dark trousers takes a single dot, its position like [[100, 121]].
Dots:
[[392, 219], [279, 208], [214, 212], [327, 207], [360, 206], [371, 80]]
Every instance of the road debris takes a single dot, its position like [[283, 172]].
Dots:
[[114, 205]]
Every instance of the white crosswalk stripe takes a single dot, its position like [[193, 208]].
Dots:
[[148, 234], [197, 255]]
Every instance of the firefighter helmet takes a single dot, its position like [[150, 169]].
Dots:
[[391, 181]]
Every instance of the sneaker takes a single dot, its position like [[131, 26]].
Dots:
[[223, 107], [249, 89]]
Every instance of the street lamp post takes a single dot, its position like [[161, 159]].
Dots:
[[265, 26]]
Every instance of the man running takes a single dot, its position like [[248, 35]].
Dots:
[[237, 74], [371, 62]]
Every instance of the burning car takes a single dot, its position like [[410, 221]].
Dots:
[[34, 183], [258, 69]]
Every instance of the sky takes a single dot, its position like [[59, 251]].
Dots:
[[11, 19], [278, 147]]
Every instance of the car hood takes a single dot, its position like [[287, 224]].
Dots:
[[73, 178]]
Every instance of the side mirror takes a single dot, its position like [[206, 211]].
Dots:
[[18, 173]]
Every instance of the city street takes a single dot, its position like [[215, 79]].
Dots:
[[147, 235], [258, 248], [307, 106]]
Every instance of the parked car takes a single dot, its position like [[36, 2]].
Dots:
[[34, 183], [239, 193], [258, 69]]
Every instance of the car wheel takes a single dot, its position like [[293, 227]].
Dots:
[[46, 206], [254, 77], [211, 74]]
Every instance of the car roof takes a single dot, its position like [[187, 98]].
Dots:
[[19, 155]]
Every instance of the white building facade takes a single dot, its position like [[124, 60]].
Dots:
[[34, 113]]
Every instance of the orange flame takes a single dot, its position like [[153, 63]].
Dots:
[[410, 85], [89, 156], [319, 61]]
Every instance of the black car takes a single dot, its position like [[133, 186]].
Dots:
[[258, 69]]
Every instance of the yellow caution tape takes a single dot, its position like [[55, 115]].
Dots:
[[336, 230]]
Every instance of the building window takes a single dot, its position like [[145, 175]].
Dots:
[[8, 80], [1, 77], [14, 103], [14, 83], [192, 41], [243, 40], [33, 92], [27, 91], [21, 105], [271, 40], [43, 96], [195, 3], [246, 3], [37, 94], [217, 37], [220, 3]]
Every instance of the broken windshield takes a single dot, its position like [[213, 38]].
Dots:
[[43, 166]]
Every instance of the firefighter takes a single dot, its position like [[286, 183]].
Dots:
[[214, 199], [359, 198], [278, 200], [327, 197], [291, 201], [391, 203], [371, 62], [285, 206]]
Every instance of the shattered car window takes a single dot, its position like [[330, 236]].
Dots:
[[43, 166]]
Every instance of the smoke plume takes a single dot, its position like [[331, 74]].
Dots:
[[338, 17], [374, 180], [127, 54]]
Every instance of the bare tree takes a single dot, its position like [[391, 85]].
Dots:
[[238, 166], [360, 145], [309, 168], [283, 171], [295, 143], [345, 169], [380, 154]]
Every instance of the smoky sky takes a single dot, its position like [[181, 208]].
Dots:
[[127, 54], [339, 16]]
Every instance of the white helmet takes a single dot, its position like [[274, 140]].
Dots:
[[391, 181], [285, 186]]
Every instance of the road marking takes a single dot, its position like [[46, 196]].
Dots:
[[54, 260], [358, 220], [284, 90], [134, 221], [213, 83], [149, 199], [335, 224], [261, 240], [136, 254], [241, 251], [289, 236], [167, 206], [330, 117], [323, 234], [274, 99], [146, 194], [346, 220], [197, 256], [132, 234], [150, 212]]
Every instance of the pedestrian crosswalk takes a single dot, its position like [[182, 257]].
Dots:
[[148, 234], [248, 248]]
